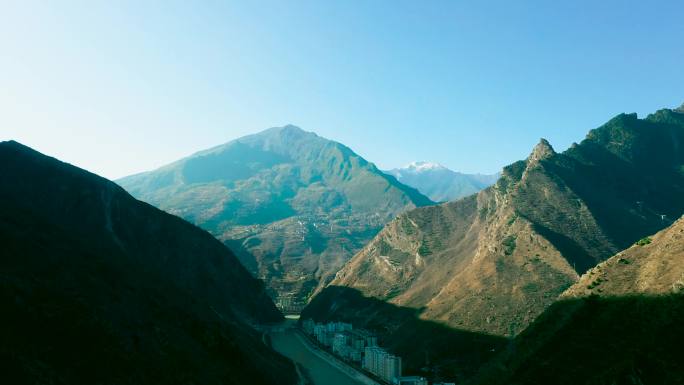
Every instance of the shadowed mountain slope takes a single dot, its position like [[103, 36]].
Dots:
[[98, 287], [492, 262], [423, 344], [620, 324], [439, 183], [292, 205]]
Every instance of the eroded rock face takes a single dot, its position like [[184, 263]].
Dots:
[[491, 263], [478, 264]]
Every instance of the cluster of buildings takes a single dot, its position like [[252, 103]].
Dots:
[[383, 364], [288, 304], [360, 347], [341, 338]]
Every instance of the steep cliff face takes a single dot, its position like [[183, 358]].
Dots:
[[618, 324], [101, 288], [491, 263], [477, 264], [292, 205]]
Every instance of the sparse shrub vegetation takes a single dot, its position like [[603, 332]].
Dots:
[[644, 241], [597, 282], [512, 219], [509, 244], [424, 249]]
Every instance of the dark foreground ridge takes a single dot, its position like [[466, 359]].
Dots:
[[596, 340], [97, 287]]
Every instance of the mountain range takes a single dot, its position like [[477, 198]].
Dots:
[[439, 183], [488, 265], [292, 205], [565, 268], [99, 288]]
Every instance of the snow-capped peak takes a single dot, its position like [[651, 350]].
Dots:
[[421, 166]]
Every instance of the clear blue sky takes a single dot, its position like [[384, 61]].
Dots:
[[121, 87]]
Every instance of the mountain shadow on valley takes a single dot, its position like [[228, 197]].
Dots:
[[427, 348]]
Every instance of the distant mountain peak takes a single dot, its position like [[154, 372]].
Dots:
[[305, 183], [291, 128], [542, 150], [680, 109], [440, 183], [288, 129], [424, 166]]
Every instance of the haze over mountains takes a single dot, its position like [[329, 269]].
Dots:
[[568, 269], [439, 183], [226, 246], [491, 263], [292, 205], [97, 287]]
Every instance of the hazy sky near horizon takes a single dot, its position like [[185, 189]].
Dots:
[[119, 87]]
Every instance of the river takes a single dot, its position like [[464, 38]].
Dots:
[[319, 370]]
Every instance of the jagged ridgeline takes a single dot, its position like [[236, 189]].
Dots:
[[99, 288], [491, 263], [292, 205]]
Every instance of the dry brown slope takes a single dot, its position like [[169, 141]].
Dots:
[[652, 267], [492, 262], [474, 264], [620, 323]]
